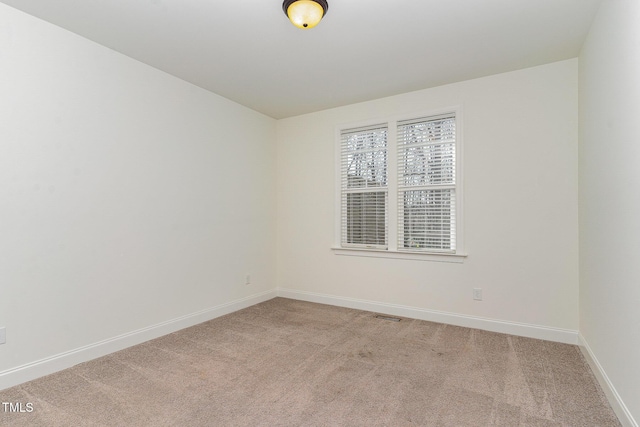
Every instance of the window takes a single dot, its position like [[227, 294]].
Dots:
[[364, 187], [427, 184], [420, 197]]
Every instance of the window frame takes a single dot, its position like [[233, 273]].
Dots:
[[392, 232]]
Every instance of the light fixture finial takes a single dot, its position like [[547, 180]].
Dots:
[[305, 14]]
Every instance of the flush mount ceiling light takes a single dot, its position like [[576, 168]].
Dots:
[[305, 14]]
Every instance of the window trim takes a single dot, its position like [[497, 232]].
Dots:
[[406, 255], [392, 250]]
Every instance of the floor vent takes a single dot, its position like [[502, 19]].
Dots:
[[389, 318]]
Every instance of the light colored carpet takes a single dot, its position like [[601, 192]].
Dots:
[[293, 363]]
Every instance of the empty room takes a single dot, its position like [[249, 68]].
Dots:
[[319, 213]]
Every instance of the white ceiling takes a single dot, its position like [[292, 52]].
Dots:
[[247, 51]]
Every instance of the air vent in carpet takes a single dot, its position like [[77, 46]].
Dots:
[[389, 318]]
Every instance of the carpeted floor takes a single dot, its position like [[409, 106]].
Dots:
[[293, 363]]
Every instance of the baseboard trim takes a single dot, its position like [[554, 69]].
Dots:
[[618, 406], [566, 336], [49, 365]]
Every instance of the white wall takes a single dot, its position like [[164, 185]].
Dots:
[[521, 189], [128, 197], [610, 196]]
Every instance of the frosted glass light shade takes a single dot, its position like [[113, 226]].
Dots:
[[305, 14]]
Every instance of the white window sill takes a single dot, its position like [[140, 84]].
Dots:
[[383, 253]]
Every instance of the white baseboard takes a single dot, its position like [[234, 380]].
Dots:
[[566, 336], [49, 365], [31, 371], [621, 410]]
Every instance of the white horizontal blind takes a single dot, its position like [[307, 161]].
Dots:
[[364, 190], [427, 184]]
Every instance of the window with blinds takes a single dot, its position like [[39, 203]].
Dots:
[[427, 184], [364, 187], [401, 192]]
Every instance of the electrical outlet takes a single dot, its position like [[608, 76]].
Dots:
[[477, 294], [3, 335], [248, 280]]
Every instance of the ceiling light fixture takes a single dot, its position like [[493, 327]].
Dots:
[[305, 14]]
